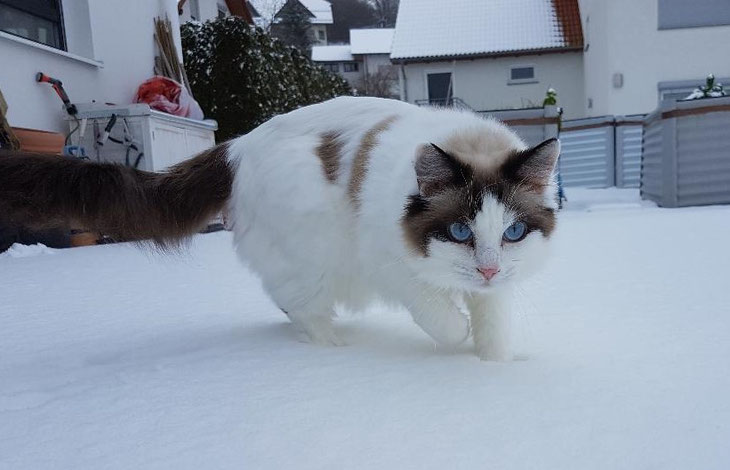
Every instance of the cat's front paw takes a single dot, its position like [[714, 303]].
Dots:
[[317, 330], [323, 336], [494, 352], [453, 331]]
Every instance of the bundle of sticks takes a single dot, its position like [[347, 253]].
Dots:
[[167, 63], [8, 140]]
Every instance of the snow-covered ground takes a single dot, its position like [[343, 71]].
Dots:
[[115, 357]]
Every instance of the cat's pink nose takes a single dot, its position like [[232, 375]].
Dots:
[[488, 272]]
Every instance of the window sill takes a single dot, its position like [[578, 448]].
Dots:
[[51, 50], [522, 82]]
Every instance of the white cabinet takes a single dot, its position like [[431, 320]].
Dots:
[[162, 139]]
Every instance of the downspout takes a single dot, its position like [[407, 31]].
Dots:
[[402, 82], [450, 95]]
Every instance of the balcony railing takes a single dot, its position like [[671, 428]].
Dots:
[[453, 102]]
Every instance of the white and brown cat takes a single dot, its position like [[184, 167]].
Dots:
[[340, 203]]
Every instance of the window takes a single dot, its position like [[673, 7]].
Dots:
[[38, 20], [522, 74], [331, 67], [351, 66], [321, 35], [675, 14], [440, 88]]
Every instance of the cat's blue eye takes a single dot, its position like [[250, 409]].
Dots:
[[515, 232], [460, 232]]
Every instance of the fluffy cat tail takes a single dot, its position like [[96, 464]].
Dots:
[[39, 191]]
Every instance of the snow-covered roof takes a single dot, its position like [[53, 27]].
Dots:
[[371, 41], [340, 53], [321, 10], [434, 28]]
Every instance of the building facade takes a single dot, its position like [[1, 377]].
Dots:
[[637, 52], [364, 63], [101, 50], [617, 57], [267, 13]]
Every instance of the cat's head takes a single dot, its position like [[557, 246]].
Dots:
[[484, 212]]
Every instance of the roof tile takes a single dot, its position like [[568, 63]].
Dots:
[[438, 29]]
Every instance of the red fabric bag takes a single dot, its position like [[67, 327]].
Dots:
[[165, 94]]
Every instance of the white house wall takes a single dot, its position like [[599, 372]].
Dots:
[[623, 38], [372, 62], [115, 49], [483, 83], [319, 34]]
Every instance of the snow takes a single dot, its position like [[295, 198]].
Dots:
[[371, 40], [112, 357], [433, 28], [321, 9], [18, 250], [340, 53], [363, 41]]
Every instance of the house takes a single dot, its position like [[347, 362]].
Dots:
[[364, 63], [496, 54], [638, 52], [619, 57], [371, 47], [101, 50], [267, 13], [339, 59]]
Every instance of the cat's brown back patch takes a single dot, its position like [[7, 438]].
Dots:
[[362, 158], [329, 152]]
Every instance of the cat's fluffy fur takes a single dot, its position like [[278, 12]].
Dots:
[[339, 203], [327, 208]]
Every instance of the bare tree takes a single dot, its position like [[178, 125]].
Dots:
[[268, 10], [386, 12], [294, 26], [380, 83], [350, 14]]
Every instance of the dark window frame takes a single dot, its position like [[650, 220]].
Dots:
[[333, 67], [41, 9], [350, 67], [680, 14], [519, 69], [438, 94], [522, 80]]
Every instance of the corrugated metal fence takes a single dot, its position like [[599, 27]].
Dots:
[[686, 159], [601, 152]]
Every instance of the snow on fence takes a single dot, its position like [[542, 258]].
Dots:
[[534, 125], [686, 153], [601, 152]]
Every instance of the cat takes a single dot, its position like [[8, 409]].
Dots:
[[339, 203]]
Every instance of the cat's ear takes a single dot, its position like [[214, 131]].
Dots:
[[436, 169], [535, 165]]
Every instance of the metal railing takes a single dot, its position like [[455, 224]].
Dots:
[[452, 102]]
